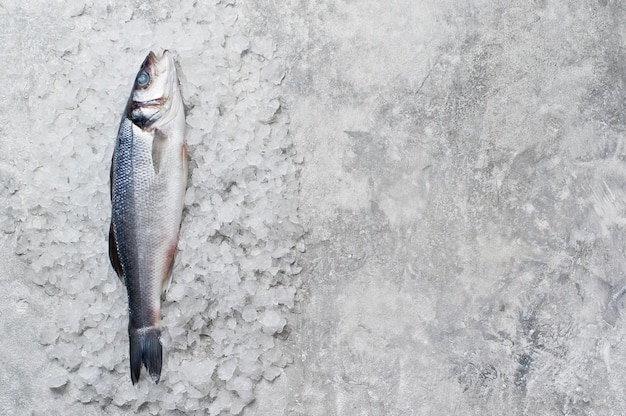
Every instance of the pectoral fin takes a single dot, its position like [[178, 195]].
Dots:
[[159, 147]]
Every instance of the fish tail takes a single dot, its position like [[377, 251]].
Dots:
[[145, 349]]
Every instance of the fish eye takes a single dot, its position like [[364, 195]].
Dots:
[[143, 78]]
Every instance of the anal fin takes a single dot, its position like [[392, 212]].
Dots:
[[166, 280]]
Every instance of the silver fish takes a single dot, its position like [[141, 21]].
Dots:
[[148, 183]]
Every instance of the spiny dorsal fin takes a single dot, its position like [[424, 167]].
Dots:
[[111, 179], [159, 147], [115, 260]]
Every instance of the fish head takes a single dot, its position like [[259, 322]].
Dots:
[[155, 92]]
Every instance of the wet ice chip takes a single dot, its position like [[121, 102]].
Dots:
[[168, 401], [108, 358], [190, 196], [94, 340], [57, 379], [74, 8], [226, 213], [243, 386], [69, 316], [198, 373], [195, 137], [125, 12], [271, 373], [226, 369], [222, 402], [238, 43], [124, 395], [249, 314], [266, 114], [263, 46], [193, 40], [164, 34], [89, 374], [67, 354], [237, 405], [273, 72], [136, 34], [48, 335], [176, 293], [250, 365], [272, 322], [193, 394], [285, 295], [67, 235]]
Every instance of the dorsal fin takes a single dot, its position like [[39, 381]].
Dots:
[[159, 147], [113, 257], [115, 261], [111, 178]]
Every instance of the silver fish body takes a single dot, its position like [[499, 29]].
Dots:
[[148, 183]]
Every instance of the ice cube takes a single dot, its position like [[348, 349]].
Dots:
[[222, 402], [69, 315], [272, 322], [125, 394], [57, 379], [49, 335], [271, 372], [273, 72], [249, 314], [198, 373], [226, 369], [89, 374]]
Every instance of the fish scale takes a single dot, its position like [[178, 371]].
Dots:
[[136, 210]]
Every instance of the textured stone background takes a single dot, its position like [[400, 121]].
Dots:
[[463, 195]]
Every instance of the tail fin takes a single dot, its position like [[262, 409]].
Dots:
[[146, 349]]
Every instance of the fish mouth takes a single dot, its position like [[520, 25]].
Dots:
[[165, 62], [155, 65], [157, 102]]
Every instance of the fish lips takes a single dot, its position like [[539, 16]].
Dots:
[[144, 113]]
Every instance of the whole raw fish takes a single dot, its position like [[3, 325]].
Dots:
[[148, 182]]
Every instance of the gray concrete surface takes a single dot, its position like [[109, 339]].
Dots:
[[463, 195]]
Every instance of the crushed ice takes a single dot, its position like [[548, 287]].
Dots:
[[235, 273]]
